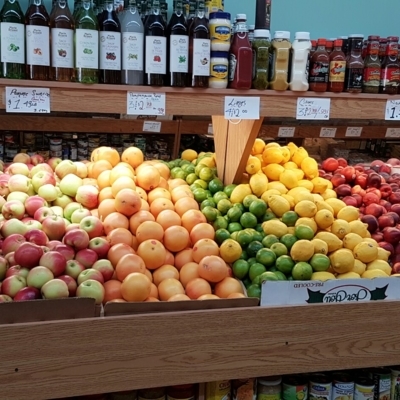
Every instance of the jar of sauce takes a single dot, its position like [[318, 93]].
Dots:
[[181, 392], [372, 66], [319, 68], [382, 48], [269, 388], [355, 65], [280, 60], [261, 47], [390, 72], [337, 67]]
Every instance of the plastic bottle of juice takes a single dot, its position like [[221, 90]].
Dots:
[[280, 60], [300, 54]]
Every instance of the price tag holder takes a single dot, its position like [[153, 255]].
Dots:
[[145, 103], [353, 131], [241, 107], [392, 110], [327, 132], [392, 133], [27, 100], [152, 126], [287, 131], [313, 108]]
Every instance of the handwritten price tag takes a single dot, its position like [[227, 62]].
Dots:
[[242, 107], [392, 110], [152, 126], [286, 131], [392, 133], [27, 100], [313, 108], [145, 103], [327, 132], [353, 131]]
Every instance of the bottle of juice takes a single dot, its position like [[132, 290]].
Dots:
[[280, 60], [12, 41], [319, 68], [300, 54], [337, 67], [241, 57], [37, 29]]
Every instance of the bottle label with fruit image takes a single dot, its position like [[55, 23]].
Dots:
[[110, 50], [156, 52], [37, 45], [87, 48], [12, 43], [62, 45]]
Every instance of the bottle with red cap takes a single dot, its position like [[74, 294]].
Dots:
[[319, 68]]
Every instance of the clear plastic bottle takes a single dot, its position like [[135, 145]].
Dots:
[[280, 60], [301, 48]]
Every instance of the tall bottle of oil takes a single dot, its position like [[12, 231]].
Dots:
[[77, 8], [86, 45], [12, 40], [178, 46], [62, 43], [110, 45], [37, 32], [155, 48]]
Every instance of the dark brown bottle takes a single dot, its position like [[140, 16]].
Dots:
[[329, 46], [37, 28], [372, 66], [390, 72], [337, 68], [319, 68], [355, 65], [382, 48]]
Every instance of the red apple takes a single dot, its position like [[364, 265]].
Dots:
[[37, 236], [4, 298], [69, 184], [12, 242], [12, 285], [71, 283], [92, 225], [71, 227], [42, 213], [394, 198], [78, 215], [55, 289], [42, 178], [370, 198], [342, 162], [343, 190], [64, 168], [349, 173], [74, 268], [77, 238], [19, 183], [32, 224], [13, 209], [87, 195], [93, 289], [40, 167], [90, 274], [17, 270], [3, 268], [374, 209], [48, 192], [37, 159], [100, 245], [350, 201], [337, 180], [54, 227], [62, 200], [86, 257], [67, 251], [27, 293], [54, 261], [28, 255], [10, 259], [105, 267], [330, 164], [374, 190], [18, 168], [53, 162], [22, 157], [38, 276]]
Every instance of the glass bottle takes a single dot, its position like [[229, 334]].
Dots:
[[62, 43], [355, 65], [77, 8], [345, 45], [155, 47], [382, 48], [149, 6], [143, 7], [110, 45], [37, 33], [337, 67], [329, 46], [390, 72], [178, 47], [261, 48], [319, 68], [164, 10], [132, 46], [372, 66], [199, 48], [192, 12], [12, 40], [87, 45], [99, 11]]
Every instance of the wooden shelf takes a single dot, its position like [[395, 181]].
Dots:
[[87, 356]]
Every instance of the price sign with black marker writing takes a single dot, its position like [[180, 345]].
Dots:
[[286, 131], [145, 103], [27, 100], [327, 132], [242, 107], [313, 108], [392, 110]]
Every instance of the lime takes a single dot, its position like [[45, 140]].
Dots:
[[234, 235], [254, 291], [258, 208], [171, 164], [201, 183], [182, 163], [209, 194], [244, 255], [258, 236], [207, 202], [240, 206], [210, 213], [281, 276], [272, 269], [253, 248], [195, 186], [240, 269], [320, 262], [224, 206], [268, 276], [189, 168], [181, 174], [279, 249], [234, 227], [244, 238], [221, 235], [304, 232], [206, 174], [175, 171], [218, 196], [268, 216], [234, 214], [289, 218], [199, 195], [220, 223], [259, 228], [266, 257], [249, 199], [198, 169], [256, 270], [284, 264], [216, 185], [248, 220], [269, 240], [251, 260], [229, 189], [302, 271], [191, 178], [247, 282], [288, 240]]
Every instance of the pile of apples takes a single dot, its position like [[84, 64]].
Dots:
[[112, 228]]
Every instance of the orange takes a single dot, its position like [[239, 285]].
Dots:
[[169, 287], [174, 183], [203, 248], [127, 202], [98, 167], [138, 218], [120, 235], [183, 257], [202, 231], [185, 204], [227, 287], [149, 275], [153, 253], [127, 264], [109, 154], [165, 272], [135, 243], [133, 156], [143, 165], [136, 287], [180, 192], [124, 182], [197, 287], [117, 251], [119, 171], [208, 297], [169, 258], [176, 238], [141, 192], [126, 165], [149, 230], [158, 193], [148, 178], [105, 193], [163, 170], [168, 218], [151, 300], [105, 208], [144, 205], [236, 296], [115, 220], [191, 218], [103, 179], [179, 297], [112, 290], [95, 154], [159, 205], [154, 292], [188, 272], [213, 269], [163, 184]]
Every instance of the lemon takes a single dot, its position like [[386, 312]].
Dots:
[[308, 222], [278, 186], [328, 194], [299, 174], [208, 161], [323, 205], [310, 168], [322, 276], [286, 154], [342, 261], [359, 267], [333, 242], [383, 254], [239, 193], [340, 228], [289, 178], [303, 195], [272, 155], [302, 250], [272, 144], [320, 247], [268, 193], [369, 240], [253, 165], [306, 184], [230, 251], [349, 275], [320, 185], [317, 197], [381, 265], [365, 252], [306, 208], [299, 155], [374, 273], [258, 147], [189, 155], [279, 205], [292, 148], [324, 219], [349, 213], [273, 171], [351, 240], [359, 228], [275, 227], [290, 199], [290, 165], [296, 190], [336, 204], [258, 184]]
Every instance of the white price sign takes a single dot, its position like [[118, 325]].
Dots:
[[353, 131], [392, 133], [145, 103], [27, 100], [392, 110], [313, 108], [327, 132], [242, 107], [152, 126], [286, 131]]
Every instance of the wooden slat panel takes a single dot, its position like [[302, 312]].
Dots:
[[65, 358]]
